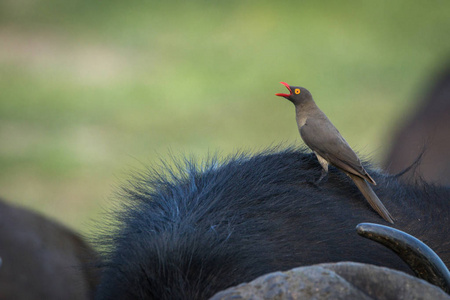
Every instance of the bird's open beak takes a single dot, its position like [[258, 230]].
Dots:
[[285, 95]]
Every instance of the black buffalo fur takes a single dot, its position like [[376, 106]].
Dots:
[[193, 229]]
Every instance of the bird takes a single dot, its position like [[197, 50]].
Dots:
[[322, 137]]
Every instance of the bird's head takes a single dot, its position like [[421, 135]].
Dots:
[[297, 94]]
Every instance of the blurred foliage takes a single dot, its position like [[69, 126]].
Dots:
[[91, 90]]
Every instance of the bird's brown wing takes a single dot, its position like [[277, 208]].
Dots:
[[321, 136]]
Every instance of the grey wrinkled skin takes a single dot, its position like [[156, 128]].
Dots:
[[344, 280]]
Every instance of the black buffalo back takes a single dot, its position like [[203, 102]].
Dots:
[[191, 230]]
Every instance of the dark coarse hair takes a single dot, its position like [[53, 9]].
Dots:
[[189, 230]]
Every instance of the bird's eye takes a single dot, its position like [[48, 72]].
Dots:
[[297, 91]]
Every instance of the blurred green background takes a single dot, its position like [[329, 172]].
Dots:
[[92, 90]]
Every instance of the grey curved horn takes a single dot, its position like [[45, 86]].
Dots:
[[424, 262]]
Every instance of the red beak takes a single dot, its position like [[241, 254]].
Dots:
[[285, 95]]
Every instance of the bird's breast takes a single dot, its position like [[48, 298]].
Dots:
[[301, 121]]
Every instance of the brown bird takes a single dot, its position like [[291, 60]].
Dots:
[[320, 135]]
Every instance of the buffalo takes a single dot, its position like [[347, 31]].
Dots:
[[189, 229], [42, 259], [426, 133]]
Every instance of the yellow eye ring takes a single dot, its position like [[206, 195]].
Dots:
[[297, 91]]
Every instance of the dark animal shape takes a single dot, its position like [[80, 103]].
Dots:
[[427, 129], [349, 280], [193, 230], [42, 259], [337, 281], [423, 261]]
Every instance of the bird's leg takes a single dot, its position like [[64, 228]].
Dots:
[[323, 175], [324, 165]]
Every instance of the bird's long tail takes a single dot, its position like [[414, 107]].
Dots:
[[371, 197]]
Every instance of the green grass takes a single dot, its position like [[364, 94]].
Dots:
[[90, 89]]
